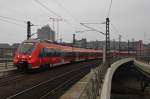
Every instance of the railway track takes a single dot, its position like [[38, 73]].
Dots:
[[55, 93], [50, 87], [58, 79], [11, 76], [9, 79]]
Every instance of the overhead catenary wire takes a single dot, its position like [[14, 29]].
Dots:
[[13, 19], [65, 20], [94, 23], [59, 16], [117, 31], [44, 6], [114, 27], [92, 28], [67, 11], [70, 14], [6, 21], [69, 24], [10, 18], [109, 9]]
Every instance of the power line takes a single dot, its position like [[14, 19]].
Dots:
[[69, 24], [81, 31], [66, 10], [84, 24], [37, 1], [66, 21], [69, 13], [12, 23], [95, 23], [115, 28], [13, 19], [109, 8], [4, 18], [117, 31]]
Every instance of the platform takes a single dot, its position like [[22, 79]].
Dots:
[[75, 91]]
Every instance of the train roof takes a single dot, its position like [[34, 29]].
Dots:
[[64, 47]]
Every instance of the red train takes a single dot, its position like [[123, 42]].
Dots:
[[36, 54]]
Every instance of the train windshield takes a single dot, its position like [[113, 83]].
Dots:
[[26, 47]]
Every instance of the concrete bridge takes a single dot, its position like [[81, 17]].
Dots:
[[103, 82], [106, 88], [141, 67]]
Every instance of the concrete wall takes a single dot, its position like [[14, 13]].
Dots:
[[106, 89]]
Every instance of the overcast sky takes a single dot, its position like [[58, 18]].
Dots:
[[130, 18]]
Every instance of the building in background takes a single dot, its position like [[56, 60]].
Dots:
[[114, 45], [46, 33], [81, 43], [143, 49], [8, 51]]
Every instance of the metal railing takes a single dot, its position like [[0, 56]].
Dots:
[[143, 59], [6, 63], [93, 87], [95, 83]]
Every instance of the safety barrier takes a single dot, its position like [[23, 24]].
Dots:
[[143, 67], [5, 63], [91, 91], [96, 86], [143, 59]]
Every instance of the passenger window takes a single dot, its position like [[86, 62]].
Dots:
[[50, 52], [58, 52], [47, 52]]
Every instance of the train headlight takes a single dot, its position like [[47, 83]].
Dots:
[[18, 56], [30, 57]]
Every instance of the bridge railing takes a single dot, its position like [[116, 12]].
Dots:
[[94, 85], [144, 59], [6, 63]]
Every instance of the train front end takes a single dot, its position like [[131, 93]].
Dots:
[[25, 57]]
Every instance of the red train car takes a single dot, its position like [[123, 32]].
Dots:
[[33, 54]]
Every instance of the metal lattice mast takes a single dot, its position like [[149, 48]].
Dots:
[[119, 45], [107, 41], [128, 46], [28, 30], [29, 24]]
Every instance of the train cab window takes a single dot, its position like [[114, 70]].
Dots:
[[26, 47]]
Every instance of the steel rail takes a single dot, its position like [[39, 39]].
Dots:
[[54, 91], [9, 79], [42, 83]]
